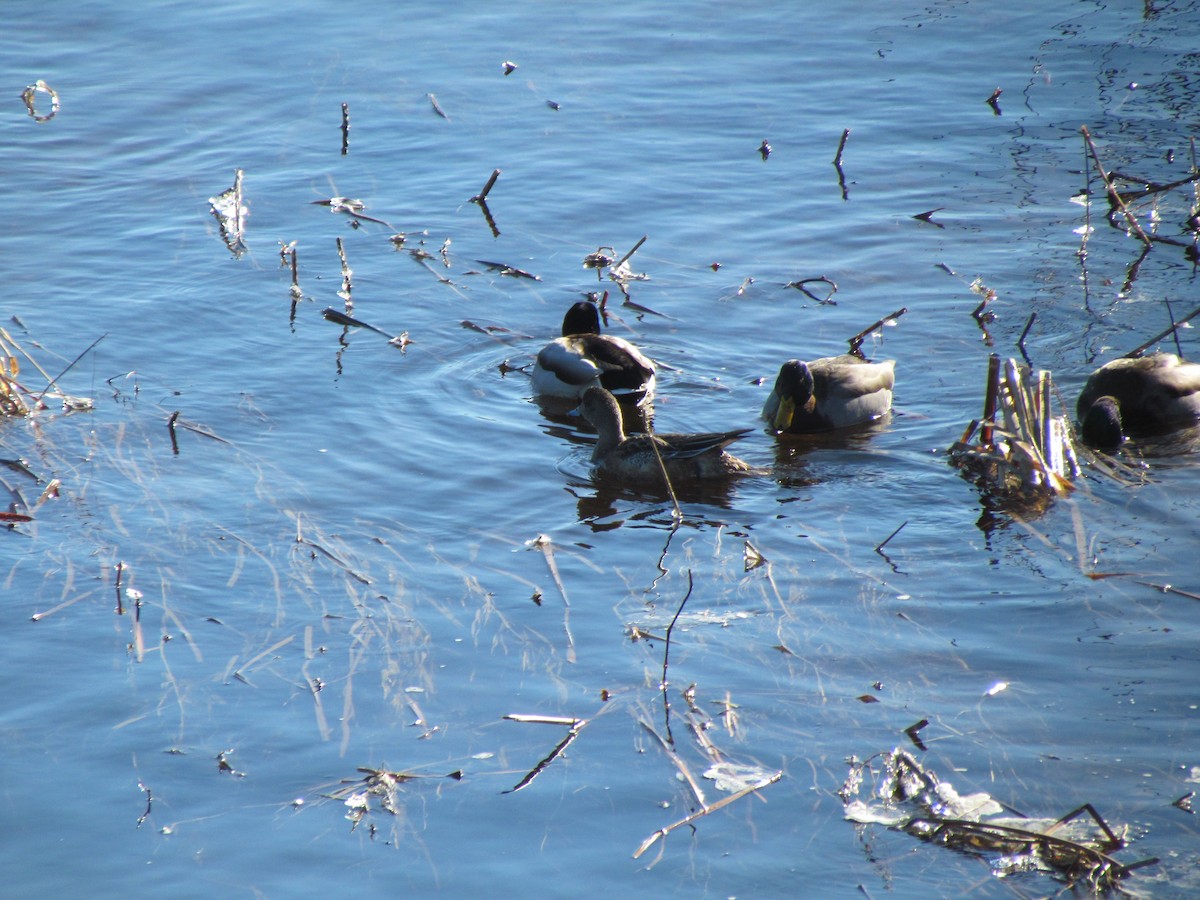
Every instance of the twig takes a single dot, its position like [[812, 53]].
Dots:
[[682, 766], [482, 195], [1113, 194], [345, 128], [554, 754], [800, 286], [667, 656], [1174, 330], [837, 157], [879, 547], [347, 277], [71, 365], [1138, 351], [687, 820], [171, 428], [857, 340], [1021, 340], [634, 250]]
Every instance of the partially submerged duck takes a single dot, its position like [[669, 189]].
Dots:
[[828, 393], [583, 358], [1143, 396], [685, 457]]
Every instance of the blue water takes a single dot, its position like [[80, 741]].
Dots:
[[401, 628]]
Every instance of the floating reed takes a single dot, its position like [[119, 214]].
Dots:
[[1019, 448]]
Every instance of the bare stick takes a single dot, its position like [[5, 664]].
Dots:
[[1138, 351], [682, 766], [120, 572], [1113, 194], [554, 754], [666, 657], [482, 195], [678, 513], [837, 159], [345, 128], [879, 547], [635, 249], [171, 428], [856, 341], [1028, 324], [54, 380], [347, 277], [687, 820], [800, 285], [1174, 331]]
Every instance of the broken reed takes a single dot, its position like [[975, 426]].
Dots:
[[1019, 446]]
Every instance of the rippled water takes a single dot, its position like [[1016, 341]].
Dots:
[[341, 567]]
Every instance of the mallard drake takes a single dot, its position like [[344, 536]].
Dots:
[[686, 457], [584, 358], [1143, 396], [828, 393]]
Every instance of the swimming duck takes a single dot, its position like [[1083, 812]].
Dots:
[[828, 393], [686, 457], [1142, 396], [584, 358]]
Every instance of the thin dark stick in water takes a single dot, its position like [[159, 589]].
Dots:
[[345, 128], [1028, 324], [120, 572], [554, 754], [635, 249], [487, 217], [1174, 330], [70, 366], [171, 428], [482, 195], [837, 158], [1113, 194], [667, 656], [879, 547], [1138, 351], [857, 340]]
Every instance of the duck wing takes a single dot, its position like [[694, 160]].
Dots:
[[687, 446]]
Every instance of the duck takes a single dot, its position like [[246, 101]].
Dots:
[[829, 393], [584, 358], [1142, 396], [686, 457]]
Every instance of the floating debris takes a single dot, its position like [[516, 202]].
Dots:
[[908, 798], [508, 67], [437, 108], [505, 269], [349, 207], [1018, 449], [29, 96], [229, 209]]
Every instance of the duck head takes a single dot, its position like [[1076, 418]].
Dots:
[[1101, 426], [581, 318], [793, 388]]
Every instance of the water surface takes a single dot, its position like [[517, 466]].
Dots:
[[388, 551]]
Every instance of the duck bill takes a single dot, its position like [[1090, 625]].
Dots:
[[784, 414]]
